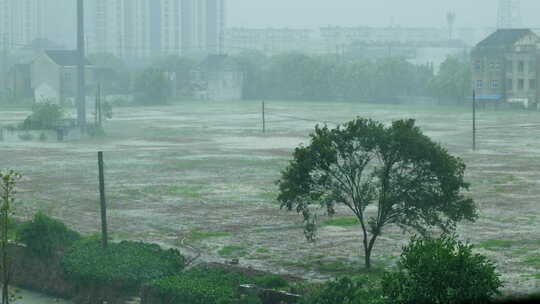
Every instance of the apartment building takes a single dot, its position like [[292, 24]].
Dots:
[[506, 66]]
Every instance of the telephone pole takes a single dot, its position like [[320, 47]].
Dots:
[[81, 94], [4, 70]]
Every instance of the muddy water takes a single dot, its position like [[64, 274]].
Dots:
[[28, 297]]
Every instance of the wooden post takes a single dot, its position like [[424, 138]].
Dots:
[[263, 118], [474, 119], [104, 236]]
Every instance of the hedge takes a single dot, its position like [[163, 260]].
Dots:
[[128, 263], [202, 285], [43, 235]]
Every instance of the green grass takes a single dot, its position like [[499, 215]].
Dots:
[[505, 244], [262, 250], [201, 235], [341, 222], [533, 261], [168, 190], [233, 251]]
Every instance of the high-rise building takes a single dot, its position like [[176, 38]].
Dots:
[[203, 26], [142, 28]]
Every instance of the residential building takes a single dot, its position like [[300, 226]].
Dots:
[[203, 26], [53, 76], [217, 78], [505, 67]]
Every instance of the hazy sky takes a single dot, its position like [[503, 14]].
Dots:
[[312, 13]]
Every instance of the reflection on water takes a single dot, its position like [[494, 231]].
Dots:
[[28, 297]]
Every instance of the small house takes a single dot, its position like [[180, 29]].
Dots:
[[54, 76], [217, 78]]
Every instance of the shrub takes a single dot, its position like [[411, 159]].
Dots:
[[199, 286], [346, 290], [44, 116], [441, 270], [44, 235], [128, 263]]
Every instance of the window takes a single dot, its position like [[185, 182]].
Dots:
[[532, 67], [532, 84], [479, 84], [478, 66], [494, 84], [509, 84], [521, 84], [521, 66]]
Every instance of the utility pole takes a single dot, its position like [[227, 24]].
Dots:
[[4, 64], [474, 120], [81, 94], [103, 204]]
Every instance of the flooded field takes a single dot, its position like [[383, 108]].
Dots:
[[201, 177], [28, 297]]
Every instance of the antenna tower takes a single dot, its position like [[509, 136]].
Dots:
[[509, 14]]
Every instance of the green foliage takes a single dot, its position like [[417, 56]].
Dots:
[[413, 182], [45, 116], [151, 86], [232, 250], [302, 77], [346, 290], [132, 263], [44, 235], [442, 270], [199, 286], [271, 281], [453, 80]]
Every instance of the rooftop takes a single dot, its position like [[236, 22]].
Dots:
[[504, 37], [65, 58]]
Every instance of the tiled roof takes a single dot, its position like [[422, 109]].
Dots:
[[504, 37], [65, 58]]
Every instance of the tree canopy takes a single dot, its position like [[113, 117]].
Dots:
[[412, 181]]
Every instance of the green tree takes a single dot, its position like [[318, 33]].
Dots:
[[441, 270], [453, 80], [44, 116], [412, 181], [121, 78], [182, 66], [8, 180], [151, 86]]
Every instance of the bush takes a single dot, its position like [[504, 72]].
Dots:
[[199, 286], [128, 263], [441, 270], [346, 290], [44, 235], [271, 281], [44, 116]]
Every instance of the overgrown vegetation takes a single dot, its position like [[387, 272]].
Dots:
[[132, 263], [43, 235], [441, 270], [350, 290], [199, 286]]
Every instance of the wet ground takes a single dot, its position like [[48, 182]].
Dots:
[[201, 177]]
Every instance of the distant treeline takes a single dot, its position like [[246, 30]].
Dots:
[[298, 76]]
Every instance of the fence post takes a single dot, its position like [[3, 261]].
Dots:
[[104, 234]]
